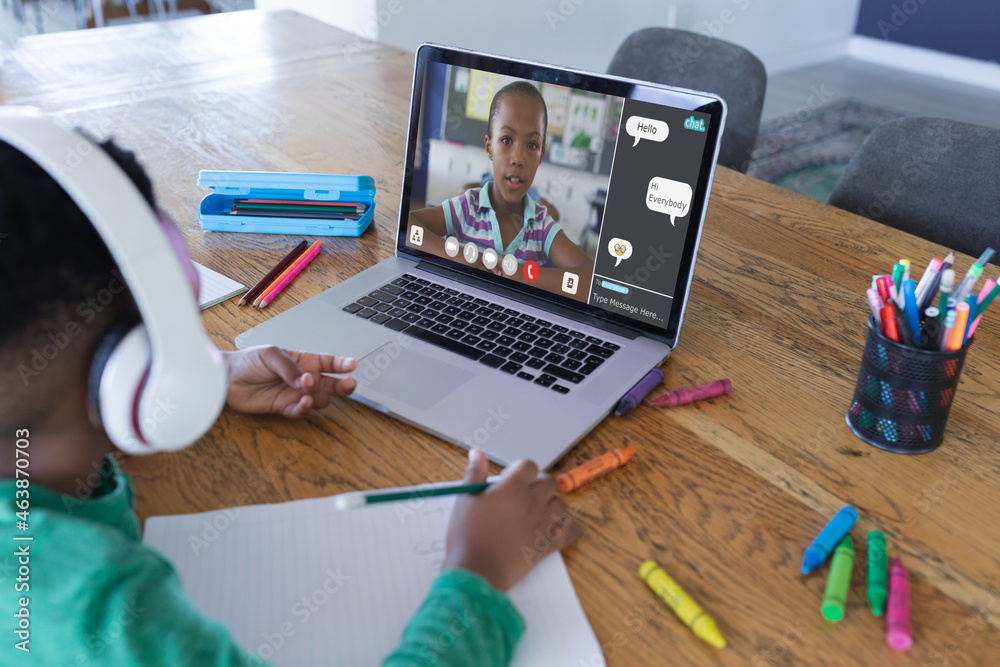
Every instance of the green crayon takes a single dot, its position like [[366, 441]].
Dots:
[[877, 592], [837, 585]]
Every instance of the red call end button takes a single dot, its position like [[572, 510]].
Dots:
[[530, 271]]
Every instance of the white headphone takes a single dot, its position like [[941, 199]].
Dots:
[[158, 384]]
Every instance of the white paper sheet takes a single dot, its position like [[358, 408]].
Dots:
[[302, 583], [215, 287]]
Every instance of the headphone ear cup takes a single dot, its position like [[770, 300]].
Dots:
[[117, 376]]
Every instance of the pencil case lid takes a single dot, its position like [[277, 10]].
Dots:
[[315, 187]]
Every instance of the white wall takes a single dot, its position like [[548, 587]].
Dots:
[[784, 34], [351, 15]]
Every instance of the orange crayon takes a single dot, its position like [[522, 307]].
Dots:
[[603, 464]]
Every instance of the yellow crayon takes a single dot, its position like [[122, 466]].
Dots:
[[686, 609]]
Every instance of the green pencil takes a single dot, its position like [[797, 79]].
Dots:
[[357, 499]]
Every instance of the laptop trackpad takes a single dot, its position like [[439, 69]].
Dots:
[[409, 376]]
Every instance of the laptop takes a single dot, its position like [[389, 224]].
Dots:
[[517, 312]]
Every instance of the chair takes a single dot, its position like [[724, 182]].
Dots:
[[696, 61], [935, 178]]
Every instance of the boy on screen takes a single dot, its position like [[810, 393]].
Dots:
[[501, 216]]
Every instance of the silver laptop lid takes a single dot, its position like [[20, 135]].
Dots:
[[585, 190]]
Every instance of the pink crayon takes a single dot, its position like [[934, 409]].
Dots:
[[685, 395], [898, 632]]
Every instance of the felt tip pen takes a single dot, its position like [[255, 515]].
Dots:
[[949, 325], [882, 285], [970, 301], [912, 313], [947, 285], [985, 258], [986, 297], [906, 269], [888, 318], [874, 302], [968, 282], [958, 331], [897, 281], [639, 391], [925, 280]]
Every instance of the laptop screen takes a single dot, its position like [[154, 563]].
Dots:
[[586, 190]]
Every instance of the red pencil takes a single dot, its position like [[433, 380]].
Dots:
[[272, 274]]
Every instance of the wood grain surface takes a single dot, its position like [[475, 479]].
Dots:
[[725, 493]]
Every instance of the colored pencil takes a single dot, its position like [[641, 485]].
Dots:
[[269, 278], [290, 277], [281, 276]]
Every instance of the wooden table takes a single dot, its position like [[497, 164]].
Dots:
[[726, 493]]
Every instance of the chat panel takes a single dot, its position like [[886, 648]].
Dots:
[[646, 219]]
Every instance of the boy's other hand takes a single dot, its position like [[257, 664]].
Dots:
[[501, 533], [268, 379]]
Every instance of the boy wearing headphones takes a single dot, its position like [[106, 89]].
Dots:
[[85, 590]]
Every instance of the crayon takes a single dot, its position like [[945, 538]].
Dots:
[[839, 581], [898, 631], [876, 591], [602, 465], [683, 605], [686, 395], [832, 533], [639, 391]]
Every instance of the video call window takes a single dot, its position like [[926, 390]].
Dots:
[[514, 177]]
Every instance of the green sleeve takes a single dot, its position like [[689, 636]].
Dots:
[[463, 621]]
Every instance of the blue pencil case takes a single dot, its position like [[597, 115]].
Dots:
[[227, 186]]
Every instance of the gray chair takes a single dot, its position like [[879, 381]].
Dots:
[[938, 179], [692, 60]]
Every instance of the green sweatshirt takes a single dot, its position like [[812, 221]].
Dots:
[[84, 590]]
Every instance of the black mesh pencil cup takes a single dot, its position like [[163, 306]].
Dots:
[[903, 394]]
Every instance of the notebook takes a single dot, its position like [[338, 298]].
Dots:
[[302, 583], [214, 287]]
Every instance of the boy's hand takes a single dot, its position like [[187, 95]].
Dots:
[[267, 379], [501, 533]]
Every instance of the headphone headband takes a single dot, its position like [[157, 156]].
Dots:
[[186, 370]]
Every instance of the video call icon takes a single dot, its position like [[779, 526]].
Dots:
[[451, 246]]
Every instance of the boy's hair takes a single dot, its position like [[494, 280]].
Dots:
[[519, 88], [51, 257]]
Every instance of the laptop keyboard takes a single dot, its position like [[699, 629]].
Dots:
[[535, 350]]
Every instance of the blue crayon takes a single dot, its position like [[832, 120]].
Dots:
[[828, 538]]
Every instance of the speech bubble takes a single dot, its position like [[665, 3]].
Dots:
[[646, 128], [620, 249], [670, 197]]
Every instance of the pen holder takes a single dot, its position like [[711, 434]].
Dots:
[[903, 394]]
